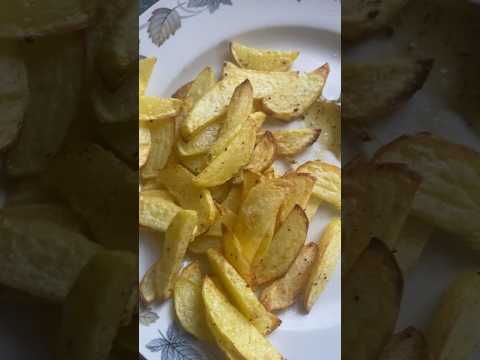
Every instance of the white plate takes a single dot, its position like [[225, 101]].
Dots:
[[201, 39]]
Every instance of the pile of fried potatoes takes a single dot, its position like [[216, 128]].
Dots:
[[209, 185]]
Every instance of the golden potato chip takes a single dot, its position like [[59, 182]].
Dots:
[[144, 144], [155, 211], [328, 181], [283, 292], [14, 92], [294, 142], [454, 331], [373, 90], [407, 344], [232, 330], [189, 303], [291, 101], [145, 67], [284, 248], [96, 305], [41, 257], [449, 175], [162, 141], [328, 255], [242, 295], [53, 63], [153, 108], [261, 59], [179, 235], [179, 182], [371, 296]]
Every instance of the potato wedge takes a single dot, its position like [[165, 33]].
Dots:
[[145, 70], [109, 200], [257, 217], [179, 235], [53, 63], [226, 217], [326, 115], [152, 108], [14, 92], [283, 292], [155, 211], [449, 175], [179, 182], [328, 255], [407, 344], [204, 81], [412, 240], [294, 142], [203, 243], [239, 109], [147, 286], [201, 142], [144, 144], [93, 312], [182, 92], [261, 59], [233, 201], [232, 330], [235, 156], [162, 142], [328, 181], [24, 19], [454, 331], [220, 192], [189, 303], [373, 90], [371, 303], [284, 248], [312, 207], [234, 254], [360, 19], [291, 101], [195, 164], [299, 193], [242, 295], [264, 153], [41, 257]]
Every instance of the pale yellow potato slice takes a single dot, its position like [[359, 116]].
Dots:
[[144, 144], [291, 101], [202, 142], [326, 115], [242, 295], [203, 243], [179, 235], [328, 181], [179, 182], [258, 216], [234, 254], [155, 211], [261, 59], [299, 193], [145, 69], [329, 249], [264, 153], [182, 92], [233, 201], [188, 302], [294, 142], [226, 217], [162, 141], [283, 292], [147, 286], [284, 248], [232, 330], [152, 108], [454, 331], [371, 296], [408, 344], [312, 207], [449, 196], [195, 163], [235, 156]]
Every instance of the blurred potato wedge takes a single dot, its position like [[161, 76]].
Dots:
[[454, 330], [284, 248], [144, 144], [291, 101], [232, 330], [373, 90], [408, 344], [179, 234], [145, 70], [242, 295], [371, 296], [162, 137], [152, 108], [188, 302], [179, 182], [294, 142], [147, 286], [328, 181], [328, 255], [283, 292], [261, 59], [155, 211]]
